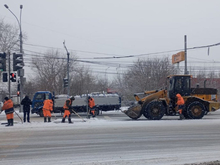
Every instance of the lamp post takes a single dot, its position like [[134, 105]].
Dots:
[[19, 24], [21, 48]]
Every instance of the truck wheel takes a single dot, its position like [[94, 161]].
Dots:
[[196, 110], [41, 113], [155, 110], [97, 112]]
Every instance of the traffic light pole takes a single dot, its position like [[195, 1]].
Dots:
[[9, 71], [68, 75]]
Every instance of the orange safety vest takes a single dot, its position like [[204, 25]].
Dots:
[[91, 102], [48, 105], [7, 105], [180, 100], [65, 107]]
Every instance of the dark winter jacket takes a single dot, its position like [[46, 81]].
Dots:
[[26, 102]]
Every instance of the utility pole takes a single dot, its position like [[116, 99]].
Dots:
[[68, 59], [185, 45]]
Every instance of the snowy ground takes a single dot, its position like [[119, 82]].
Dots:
[[106, 122]]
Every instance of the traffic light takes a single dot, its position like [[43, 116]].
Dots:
[[3, 61], [5, 77], [65, 82], [13, 77], [18, 93], [17, 61]]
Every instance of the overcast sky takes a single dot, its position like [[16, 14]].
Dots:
[[107, 28]]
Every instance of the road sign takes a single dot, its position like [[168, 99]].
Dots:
[[178, 57]]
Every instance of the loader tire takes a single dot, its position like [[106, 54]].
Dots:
[[155, 110], [196, 110]]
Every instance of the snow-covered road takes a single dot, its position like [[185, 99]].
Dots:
[[106, 141]]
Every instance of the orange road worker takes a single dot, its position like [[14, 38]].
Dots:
[[91, 106], [180, 104], [8, 108], [47, 108], [67, 109]]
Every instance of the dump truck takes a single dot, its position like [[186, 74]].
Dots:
[[103, 101], [157, 103]]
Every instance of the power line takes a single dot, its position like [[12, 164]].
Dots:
[[115, 56]]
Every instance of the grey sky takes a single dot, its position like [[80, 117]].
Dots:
[[119, 28]]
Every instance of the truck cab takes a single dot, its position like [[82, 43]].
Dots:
[[38, 101]]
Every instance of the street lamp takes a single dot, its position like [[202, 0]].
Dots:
[[21, 47], [19, 24]]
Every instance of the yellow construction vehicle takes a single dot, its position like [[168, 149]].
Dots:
[[157, 103]]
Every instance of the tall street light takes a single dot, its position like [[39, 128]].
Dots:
[[21, 71], [19, 24]]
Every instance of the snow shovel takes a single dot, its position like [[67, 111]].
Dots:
[[78, 115], [54, 115], [19, 117]]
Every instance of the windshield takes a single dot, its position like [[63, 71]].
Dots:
[[42, 96]]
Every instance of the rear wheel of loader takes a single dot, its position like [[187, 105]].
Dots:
[[196, 110], [154, 110]]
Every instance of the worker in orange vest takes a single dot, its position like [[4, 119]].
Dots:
[[67, 109], [180, 103], [91, 105], [8, 108], [47, 109]]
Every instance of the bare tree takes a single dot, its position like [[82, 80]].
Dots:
[[144, 75], [9, 38], [51, 69], [82, 81]]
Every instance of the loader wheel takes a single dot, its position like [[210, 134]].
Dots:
[[196, 110], [154, 110]]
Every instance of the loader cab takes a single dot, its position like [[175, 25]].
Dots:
[[179, 84]]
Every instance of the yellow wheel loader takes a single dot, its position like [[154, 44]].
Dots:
[[157, 103]]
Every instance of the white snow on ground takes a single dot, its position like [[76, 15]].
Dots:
[[164, 159]]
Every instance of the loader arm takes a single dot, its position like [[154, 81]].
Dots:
[[135, 111]]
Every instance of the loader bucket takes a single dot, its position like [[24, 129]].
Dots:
[[134, 112]]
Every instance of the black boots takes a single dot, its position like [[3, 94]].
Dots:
[[69, 119], [181, 117], [45, 119], [63, 120], [10, 122]]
